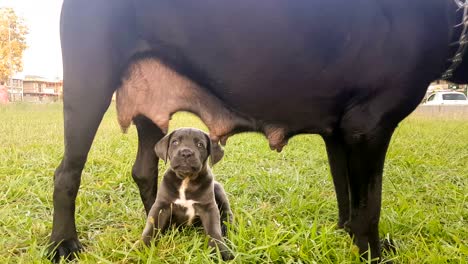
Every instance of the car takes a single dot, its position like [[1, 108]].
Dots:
[[446, 98]]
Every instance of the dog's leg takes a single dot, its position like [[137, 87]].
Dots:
[[92, 57], [338, 166], [145, 168], [366, 155], [210, 219], [222, 202], [159, 218], [87, 96]]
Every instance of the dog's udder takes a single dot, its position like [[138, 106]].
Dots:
[[156, 91], [276, 136]]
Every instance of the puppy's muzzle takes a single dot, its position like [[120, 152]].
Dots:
[[185, 153]]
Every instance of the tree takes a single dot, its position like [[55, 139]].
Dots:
[[13, 33]]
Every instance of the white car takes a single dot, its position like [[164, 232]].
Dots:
[[446, 98]]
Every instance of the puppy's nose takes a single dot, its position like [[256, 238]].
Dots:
[[186, 153]]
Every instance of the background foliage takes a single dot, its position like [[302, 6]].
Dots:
[[13, 33]]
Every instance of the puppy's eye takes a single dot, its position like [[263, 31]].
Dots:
[[200, 145], [175, 142]]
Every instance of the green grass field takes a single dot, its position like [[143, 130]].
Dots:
[[284, 204]]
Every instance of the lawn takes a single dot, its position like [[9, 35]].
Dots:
[[284, 204]]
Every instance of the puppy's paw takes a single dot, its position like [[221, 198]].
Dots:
[[145, 240], [227, 255]]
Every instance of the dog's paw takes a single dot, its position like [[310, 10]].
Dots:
[[66, 249], [227, 255], [146, 240]]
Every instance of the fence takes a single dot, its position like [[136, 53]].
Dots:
[[442, 111]]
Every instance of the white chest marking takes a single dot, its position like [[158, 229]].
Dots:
[[182, 201]]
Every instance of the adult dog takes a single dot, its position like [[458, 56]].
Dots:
[[347, 70]]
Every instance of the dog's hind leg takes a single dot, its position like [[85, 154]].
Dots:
[[366, 133], [222, 202], [210, 219], [338, 166], [145, 168]]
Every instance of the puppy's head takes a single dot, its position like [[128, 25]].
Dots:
[[188, 150]]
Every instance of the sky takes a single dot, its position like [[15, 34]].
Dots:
[[43, 56]]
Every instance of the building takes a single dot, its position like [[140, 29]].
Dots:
[[3, 94], [39, 89], [15, 89]]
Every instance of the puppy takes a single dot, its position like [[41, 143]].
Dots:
[[188, 193]]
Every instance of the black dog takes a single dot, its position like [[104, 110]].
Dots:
[[349, 71], [188, 193]]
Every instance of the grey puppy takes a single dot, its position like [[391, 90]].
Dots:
[[188, 193]]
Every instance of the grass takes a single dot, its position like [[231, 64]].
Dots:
[[284, 203]]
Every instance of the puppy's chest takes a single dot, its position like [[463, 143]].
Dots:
[[182, 201]]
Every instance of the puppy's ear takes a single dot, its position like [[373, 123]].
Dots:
[[162, 147], [216, 152]]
